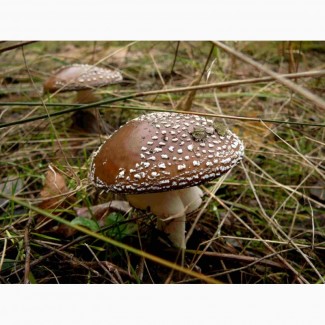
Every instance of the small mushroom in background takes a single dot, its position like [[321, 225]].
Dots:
[[158, 160], [84, 79]]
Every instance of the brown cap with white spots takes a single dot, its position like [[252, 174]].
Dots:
[[163, 152], [81, 76]]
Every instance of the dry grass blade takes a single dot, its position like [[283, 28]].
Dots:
[[291, 85], [300, 278], [277, 229], [7, 46]]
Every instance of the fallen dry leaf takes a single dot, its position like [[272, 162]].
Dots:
[[101, 210], [98, 212], [55, 194], [53, 190]]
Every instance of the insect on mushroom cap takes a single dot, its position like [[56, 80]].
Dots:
[[162, 152], [81, 76]]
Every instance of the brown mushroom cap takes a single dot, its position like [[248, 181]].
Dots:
[[162, 152], [81, 76]]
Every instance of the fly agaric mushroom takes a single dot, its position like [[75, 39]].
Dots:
[[158, 160], [83, 78]]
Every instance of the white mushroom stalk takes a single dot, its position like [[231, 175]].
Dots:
[[171, 209], [86, 96], [156, 157]]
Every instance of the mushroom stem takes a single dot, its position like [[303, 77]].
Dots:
[[174, 226], [86, 96], [171, 209]]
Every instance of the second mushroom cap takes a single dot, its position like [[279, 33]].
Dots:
[[81, 76]]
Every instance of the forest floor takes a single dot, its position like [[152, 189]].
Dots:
[[263, 223]]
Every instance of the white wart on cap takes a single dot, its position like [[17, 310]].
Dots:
[[164, 151]]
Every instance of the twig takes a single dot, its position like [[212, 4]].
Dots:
[[175, 57], [52, 252], [244, 258], [3, 253], [319, 246], [173, 90], [297, 152], [312, 227], [207, 62], [227, 84], [300, 278], [13, 46], [186, 102], [71, 258], [284, 81], [261, 260], [107, 269], [277, 229], [231, 117], [224, 84], [161, 79], [27, 248]]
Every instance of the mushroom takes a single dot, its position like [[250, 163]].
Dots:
[[158, 160], [83, 78]]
